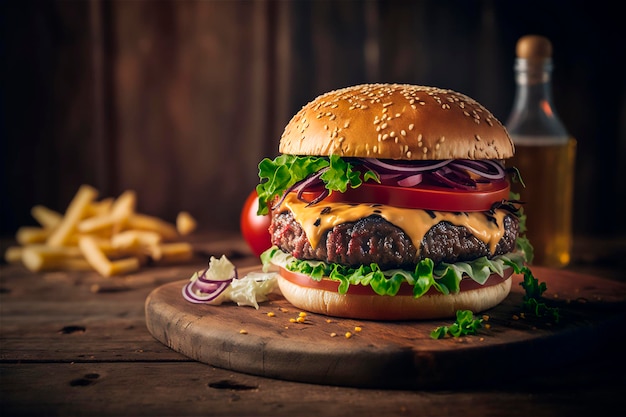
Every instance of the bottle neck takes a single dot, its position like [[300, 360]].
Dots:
[[533, 113]]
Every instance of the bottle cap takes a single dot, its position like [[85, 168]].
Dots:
[[534, 47]]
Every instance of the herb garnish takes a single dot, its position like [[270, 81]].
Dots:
[[465, 324], [533, 298]]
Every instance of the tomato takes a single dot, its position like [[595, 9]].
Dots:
[[428, 197], [254, 227]]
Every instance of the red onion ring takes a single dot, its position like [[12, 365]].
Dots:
[[399, 167], [481, 168], [203, 290], [453, 173]]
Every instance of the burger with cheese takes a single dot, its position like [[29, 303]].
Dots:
[[392, 202]]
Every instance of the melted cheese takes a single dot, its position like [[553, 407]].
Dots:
[[319, 218]]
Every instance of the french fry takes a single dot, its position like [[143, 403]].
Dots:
[[100, 208], [135, 239], [27, 235], [145, 222], [121, 209], [99, 261], [105, 236], [185, 223], [47, 218], [75, 212], [13, 254], [45, 258], [175, 252]]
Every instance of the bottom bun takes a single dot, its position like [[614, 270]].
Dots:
[[398, 307]]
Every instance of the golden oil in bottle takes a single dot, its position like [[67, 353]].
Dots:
[[544, 155]]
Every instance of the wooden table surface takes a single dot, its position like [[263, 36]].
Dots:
[[77, 344]]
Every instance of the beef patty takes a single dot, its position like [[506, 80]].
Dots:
[[375, 240]]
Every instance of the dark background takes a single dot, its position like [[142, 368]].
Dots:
[[179, 100]]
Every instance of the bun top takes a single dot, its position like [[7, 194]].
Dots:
[[396, 121]]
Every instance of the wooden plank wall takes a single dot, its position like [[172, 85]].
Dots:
[[179, 100]]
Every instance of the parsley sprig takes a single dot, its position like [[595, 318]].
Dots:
[[533, 298], [465, 324]]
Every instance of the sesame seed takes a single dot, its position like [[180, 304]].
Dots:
[[385, 136], [425, 149], [403, 132], [383, 126], [408, 154], [411, 126]]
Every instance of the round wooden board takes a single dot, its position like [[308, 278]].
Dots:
[[390, 354]]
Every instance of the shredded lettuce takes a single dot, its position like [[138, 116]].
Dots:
[[444, 277]]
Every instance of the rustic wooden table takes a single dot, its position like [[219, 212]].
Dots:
[[77, 344]]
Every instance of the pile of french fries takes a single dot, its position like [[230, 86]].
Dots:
[[106, 235]]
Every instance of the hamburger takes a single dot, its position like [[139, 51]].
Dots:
[[392, 202]]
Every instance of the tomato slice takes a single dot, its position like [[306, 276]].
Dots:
[[428, 197]]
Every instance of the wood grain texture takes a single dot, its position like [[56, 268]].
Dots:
[[180, 100], [67, 350], [388, 354]]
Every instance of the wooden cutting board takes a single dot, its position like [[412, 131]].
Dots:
[[267, 343]]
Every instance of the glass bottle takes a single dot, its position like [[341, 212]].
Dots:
[[544, 154]]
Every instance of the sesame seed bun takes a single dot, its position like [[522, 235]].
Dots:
[[396, 121]]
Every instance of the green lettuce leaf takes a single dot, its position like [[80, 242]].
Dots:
[[284, 171], [444, 277]]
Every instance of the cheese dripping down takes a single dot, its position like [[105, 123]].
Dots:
[[318, 219]]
